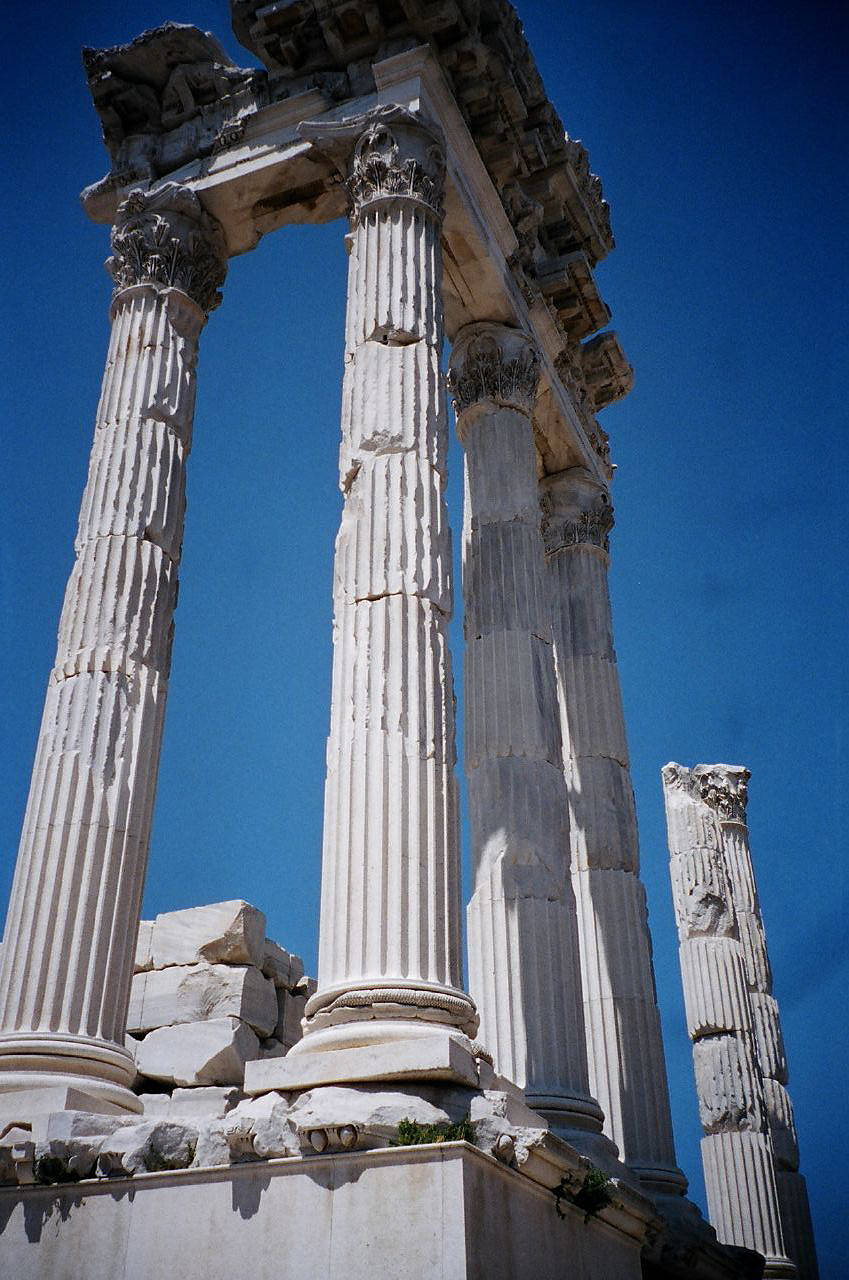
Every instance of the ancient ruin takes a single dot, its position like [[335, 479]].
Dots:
[[757, 1196], [176, 1097]]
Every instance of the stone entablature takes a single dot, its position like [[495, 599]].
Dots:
[[173, 105]]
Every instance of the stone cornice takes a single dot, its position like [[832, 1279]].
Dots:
[[496, 364], [164, 237]]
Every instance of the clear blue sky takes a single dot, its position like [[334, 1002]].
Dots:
[[719, 132]]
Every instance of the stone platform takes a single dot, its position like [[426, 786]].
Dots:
[[415, 1213]]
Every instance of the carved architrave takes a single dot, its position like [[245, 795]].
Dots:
[[164, 237], [492, 362]]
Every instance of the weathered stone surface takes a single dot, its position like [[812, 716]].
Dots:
[[523, 946], [199, 1103], [737, 1151], [144, 945], [221, 933], [149, 1146], [213, 1052], [281, 966], [195, 993]]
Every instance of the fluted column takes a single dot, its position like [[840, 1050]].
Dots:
[[725, 789], [524, 970], [389, 955], [74, 908], [737, 1150], [624, 1042]]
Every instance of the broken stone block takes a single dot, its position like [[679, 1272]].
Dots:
[[196, 993], [265, 1123], [150, 1146], [335, 1116], [283, 968], [213, 1052], [291, 1006], [209, 1100], [222, 933], [144, 945]]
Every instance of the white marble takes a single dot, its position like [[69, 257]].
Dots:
[[389, 947], [624, 1043], [193, 993], [212, 1052], [74, 907], [737, 1149], [522, 929], [724, 788]]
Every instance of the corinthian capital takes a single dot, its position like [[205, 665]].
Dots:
[[494, 363], [725, 788], [386, 156], [164, 237], [576, 509]]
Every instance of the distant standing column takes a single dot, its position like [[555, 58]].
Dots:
[[736, 1149], [389, 951], [74, 909], [624, 1042], [725, 789], [524, 968]]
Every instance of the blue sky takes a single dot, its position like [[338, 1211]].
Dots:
[[719, 133]]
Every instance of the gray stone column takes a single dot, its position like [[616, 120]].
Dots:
[[524, 967], [725, 789], [74, 908], [389, 955], [737, 1151], [624, 1042]]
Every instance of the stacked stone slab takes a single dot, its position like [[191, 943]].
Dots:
[[209, 994], [725, 789], [737, 1150]]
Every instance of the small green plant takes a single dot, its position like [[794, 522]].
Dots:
[[50, 1170], [592, 1196], [413, 1134]]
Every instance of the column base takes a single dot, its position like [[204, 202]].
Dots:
[[431, 1055], [374, 1011], [578, 1121], [35, 1061], [658, 1180]]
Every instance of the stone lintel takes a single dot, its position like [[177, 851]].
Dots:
[[423, 1058], [568, 283]]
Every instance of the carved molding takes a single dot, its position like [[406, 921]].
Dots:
[[164, 237], [491, 362]]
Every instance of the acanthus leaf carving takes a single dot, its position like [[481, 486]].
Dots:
[[164, 237]]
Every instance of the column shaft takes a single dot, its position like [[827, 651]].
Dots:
[[725, 789], [737, 1151], [523, 946], [624, 1041], [73, 914], [389, 958]]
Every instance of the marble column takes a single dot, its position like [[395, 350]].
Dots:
[[74, 908], [524, 968], [737, 1152], [725, 789], [624, 1042], [389, 953]]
